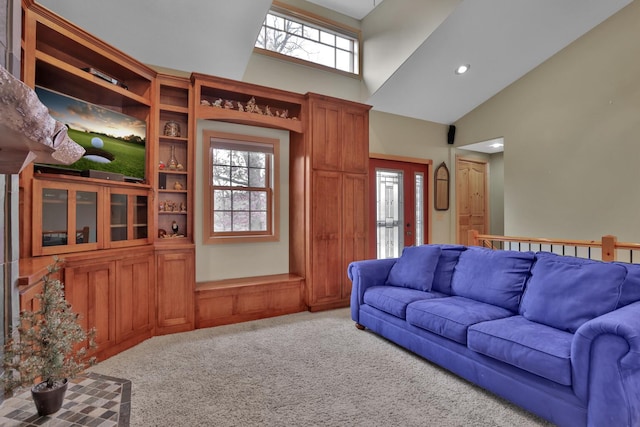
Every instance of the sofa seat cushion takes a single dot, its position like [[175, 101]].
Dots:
[[565, 292], [451, 316], [415, 268], [536, 348], [496, 277], [394, 300]]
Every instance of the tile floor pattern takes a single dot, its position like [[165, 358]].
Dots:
[[92, 400]]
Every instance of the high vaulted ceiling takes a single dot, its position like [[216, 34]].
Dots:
[[411, 47]]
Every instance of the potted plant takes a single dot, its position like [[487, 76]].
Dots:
[[43, 347]]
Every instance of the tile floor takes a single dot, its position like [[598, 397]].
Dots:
[[92, 400]]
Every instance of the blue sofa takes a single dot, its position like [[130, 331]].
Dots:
[[556, 335]]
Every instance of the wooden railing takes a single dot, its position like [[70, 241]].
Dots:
[[606, 249]]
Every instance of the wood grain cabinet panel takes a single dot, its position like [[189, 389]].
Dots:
[[90, 289], [175, 286], [339, 145], [134, 297]]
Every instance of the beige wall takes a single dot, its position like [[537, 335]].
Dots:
[[572, 137], [223, 261]]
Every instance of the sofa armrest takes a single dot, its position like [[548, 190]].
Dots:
[[605, 358], [365, 274]]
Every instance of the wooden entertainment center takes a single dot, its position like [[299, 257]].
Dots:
[[125, 271]]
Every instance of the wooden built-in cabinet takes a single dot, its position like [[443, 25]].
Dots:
[[337, 147], [76, 215], [175, 160], [176, 290], [129, 247]]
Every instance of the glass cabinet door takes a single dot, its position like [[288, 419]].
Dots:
[[140, 218], [65, 217], [55, 218], [119, 221]]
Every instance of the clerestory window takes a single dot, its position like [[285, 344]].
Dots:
[[300, 37], [241, 192]]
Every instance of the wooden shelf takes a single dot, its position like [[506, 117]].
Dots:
[[223, 114]]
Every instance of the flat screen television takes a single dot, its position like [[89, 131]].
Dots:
[[114, 142]]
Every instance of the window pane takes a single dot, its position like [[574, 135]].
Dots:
[[241, 221], [221, 157], [221, 221], [343, 60], [344, 44], [257, 160], [258, 200], [312, 33], [239, 158], [324, 56], [221, 175], [239, 177], [222, 200], [258, 221], [294, 28], [275, 21], [240, 200], [327, 38], [257, 177]]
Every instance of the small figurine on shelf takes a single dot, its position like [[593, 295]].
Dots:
[[228, 105], [205, 102], [174, 227], [217, 103], [179, 167], [240, 107], [161, 165], [177, 186], [183, 207], [267, 111], [161, 206], [162, 233]]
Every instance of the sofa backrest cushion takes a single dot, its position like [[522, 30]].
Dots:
[[492, 276], [565, 292], [447, 263], [415, 268], [631, 286]]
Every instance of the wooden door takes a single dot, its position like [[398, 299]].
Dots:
[[471, 198], [90, 289], [355, 140], [325, 128], [355, 230], [135, 308], [175, 291], [326, 276]]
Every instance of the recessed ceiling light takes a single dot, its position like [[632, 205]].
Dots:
[[462, 69], [497, 145]]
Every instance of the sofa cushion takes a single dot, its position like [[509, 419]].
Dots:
[[394, 300], [565, 292], [536, 348], [446, 264], [493, 276], [631, 286], [415, 267], [451, 316]]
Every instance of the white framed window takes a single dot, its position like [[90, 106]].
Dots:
[[297, 36], [241, 192]]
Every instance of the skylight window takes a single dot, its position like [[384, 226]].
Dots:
[[311, 40]]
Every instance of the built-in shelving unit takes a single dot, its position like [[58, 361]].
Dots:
[[175, 161]]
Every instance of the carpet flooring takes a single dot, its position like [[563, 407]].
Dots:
[[304, 369]]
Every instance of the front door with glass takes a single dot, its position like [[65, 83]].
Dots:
[[397, 211]]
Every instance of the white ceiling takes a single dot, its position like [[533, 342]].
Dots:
[[501, 39]]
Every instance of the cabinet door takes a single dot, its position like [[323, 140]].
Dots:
[[66, 217], [128, 218], [355, 140], [135, 300], [325, 135], [176, 291], [90, 289], [326, 276], [354, 223]]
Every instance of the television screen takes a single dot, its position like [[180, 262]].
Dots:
[[114, 142]]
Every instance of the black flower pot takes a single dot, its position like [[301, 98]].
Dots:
[[48, 400]]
